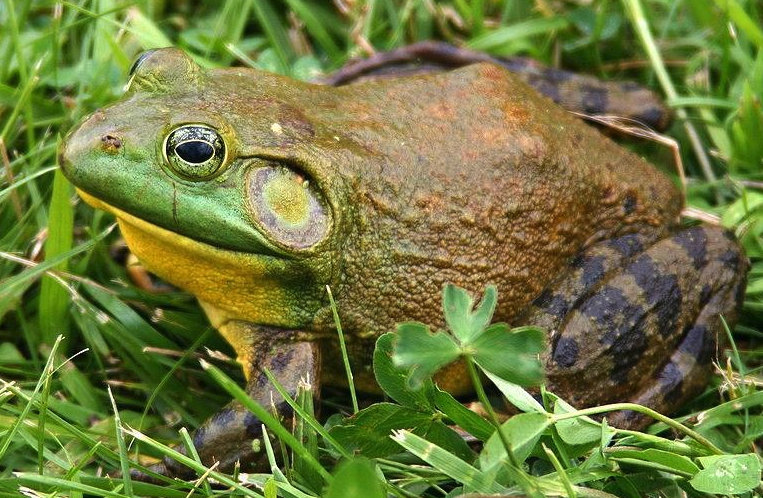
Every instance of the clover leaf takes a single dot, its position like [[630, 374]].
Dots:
[[510, 354], [423, 352]]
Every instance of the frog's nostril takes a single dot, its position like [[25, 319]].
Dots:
[[110, 144]]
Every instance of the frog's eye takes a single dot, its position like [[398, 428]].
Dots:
[[195, 152], [288, 207], [139, 60]]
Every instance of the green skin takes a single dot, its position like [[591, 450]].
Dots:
[[467, 176]]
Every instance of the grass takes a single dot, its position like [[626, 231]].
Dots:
[[59, 429]]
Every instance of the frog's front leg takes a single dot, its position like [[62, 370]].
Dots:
[[227, 436], [637, 320]]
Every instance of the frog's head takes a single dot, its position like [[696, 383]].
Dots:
[[193, 164]]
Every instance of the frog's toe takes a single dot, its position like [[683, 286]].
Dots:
[[640, 321], [149, 477]]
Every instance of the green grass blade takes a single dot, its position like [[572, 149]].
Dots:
[[267, 419], [343, 346], [641, 26], [274, 30], [48, 371], [498, 38], [69, 485], [311, 420], [737, 14], [191, 463], [316, 28], [54, 298], [124, 460], [448, 464], [191, 450], [146, 31], [14, 286]]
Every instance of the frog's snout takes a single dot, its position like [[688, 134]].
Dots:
[[67, 155], [86, 142]]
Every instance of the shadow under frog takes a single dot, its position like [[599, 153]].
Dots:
[[254, 191]]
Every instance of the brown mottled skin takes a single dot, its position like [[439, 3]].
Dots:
[[468, 176], [575, 92]]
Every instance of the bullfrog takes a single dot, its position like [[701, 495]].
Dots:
[[254, 192]]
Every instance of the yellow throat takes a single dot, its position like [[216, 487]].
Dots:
[[232, 285]]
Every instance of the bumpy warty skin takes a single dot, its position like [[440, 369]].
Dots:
[[472, 178]]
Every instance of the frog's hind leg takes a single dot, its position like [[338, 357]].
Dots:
[[687, 371], [637, 320]]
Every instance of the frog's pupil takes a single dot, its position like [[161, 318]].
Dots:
[[195, 151]]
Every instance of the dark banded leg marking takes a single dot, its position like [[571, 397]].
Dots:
[[638, 321]]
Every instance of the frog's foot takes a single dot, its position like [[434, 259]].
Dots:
[[633, 321], [230, 435]]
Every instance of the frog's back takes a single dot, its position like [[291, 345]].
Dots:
[[472, 177]]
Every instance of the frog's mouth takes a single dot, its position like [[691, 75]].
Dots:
[[172, 255], [233, 285], [242, 285]]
